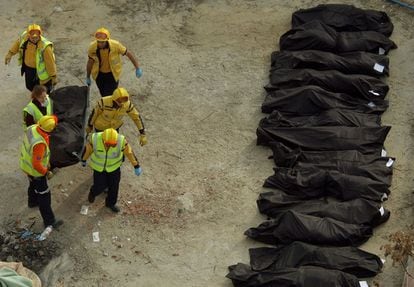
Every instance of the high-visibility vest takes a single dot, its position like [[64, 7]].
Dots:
[[31, 138], [115, 61], [103, 159], [40, 62], [34, 111]]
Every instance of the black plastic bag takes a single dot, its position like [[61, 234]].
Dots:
[[347, 259], [344, 17], [289, 157], [364, 139], [316, 182], [70, 105], [333, 117], [348, 63], [360, 86], [356, 211], [292, 226], [318, 36], [242, 275], [310, 100]]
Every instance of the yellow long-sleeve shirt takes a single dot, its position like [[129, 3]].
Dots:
[[127, 150], [30, 57], [108, 114]]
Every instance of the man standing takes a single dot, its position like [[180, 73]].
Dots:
[[110, 110], [106, 150], [39, 106], [36, 58], [34, 161], [105, 64]]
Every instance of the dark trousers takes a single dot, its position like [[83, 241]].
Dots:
[[107, 180], [39, 192], [106, 84], [31, 79]]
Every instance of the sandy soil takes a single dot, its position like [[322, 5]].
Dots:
[[205, 63]]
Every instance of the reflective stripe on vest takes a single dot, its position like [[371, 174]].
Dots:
[[34, 111], [40, 63], [32, 138], [106, 160]]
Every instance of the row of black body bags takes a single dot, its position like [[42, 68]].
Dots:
[[324, 103]]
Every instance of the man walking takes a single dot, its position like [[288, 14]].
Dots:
[[36, 58], [105, 64], [106, 150], [110, 110], [34, 161]]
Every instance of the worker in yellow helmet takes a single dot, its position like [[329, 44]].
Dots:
[[107, 150], [39, 106], [36, 58], [34, 161], [110, 110], [105, 64]]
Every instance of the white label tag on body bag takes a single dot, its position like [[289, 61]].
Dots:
[[379, 68]]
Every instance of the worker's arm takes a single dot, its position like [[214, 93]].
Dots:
[[50, 63], [130, 155], [15, 47], [39, 151], [134, 115], [132, 58], [12, 51], [94, 115], [91, 59], [87, 152], [89, 65]]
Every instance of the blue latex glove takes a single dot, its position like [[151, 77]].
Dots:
[[83, 163], [88, 81], [138, 72], [138, 170]]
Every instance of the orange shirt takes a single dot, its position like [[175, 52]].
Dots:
[[39, 151]]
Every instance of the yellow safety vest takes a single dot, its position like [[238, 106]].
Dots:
[[106, 160], [40, 62], [34, 111], [115, 61], [31, 138]]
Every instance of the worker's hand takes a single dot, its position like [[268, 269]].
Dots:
[[8, 58], [138, 72], [138, 170], [54, 80], [83, 163], [88, 81], [143, 140], [49, 174]]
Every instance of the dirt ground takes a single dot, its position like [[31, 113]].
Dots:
[[204, 63]]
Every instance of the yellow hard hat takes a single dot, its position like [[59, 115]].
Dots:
[[102, 35], [34, 27], [48, 123], [110, 137], [120, 93]]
